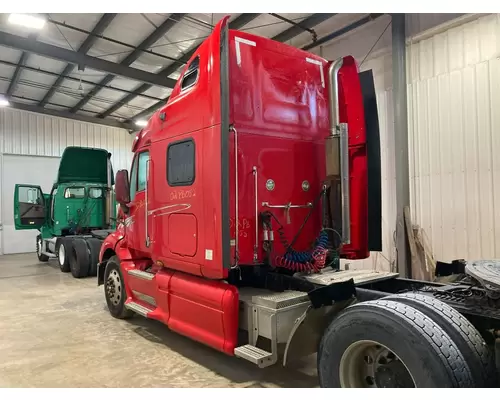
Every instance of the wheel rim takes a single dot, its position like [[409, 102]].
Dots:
[[62, 255], [368, 364], [38, 247], [114, 288]]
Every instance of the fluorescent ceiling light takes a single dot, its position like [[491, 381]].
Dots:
[[141, 122], [26, 20], [4, 102]]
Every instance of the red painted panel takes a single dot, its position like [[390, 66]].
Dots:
[[183, 234], [204, 310]]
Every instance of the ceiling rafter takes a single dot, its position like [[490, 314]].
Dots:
[[156, 35], [70, 78], [87, 44], [62, 54]]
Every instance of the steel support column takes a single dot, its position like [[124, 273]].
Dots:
[[399, 92]]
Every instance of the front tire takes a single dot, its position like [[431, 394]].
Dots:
[[114, 290], [39, 246], [388, 344]]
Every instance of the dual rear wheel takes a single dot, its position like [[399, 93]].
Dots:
[[405, 340]]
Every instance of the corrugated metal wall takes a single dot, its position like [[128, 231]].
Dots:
[[454, 98], [453, 93], [26, 133]]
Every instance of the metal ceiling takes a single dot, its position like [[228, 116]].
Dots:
[[115, 69]]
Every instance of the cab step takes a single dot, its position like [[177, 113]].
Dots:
[[255, 355], [138, 308], [141, 274]]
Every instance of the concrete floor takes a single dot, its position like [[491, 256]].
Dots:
[[55, 331]]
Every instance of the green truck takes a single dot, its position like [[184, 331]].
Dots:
[[76, 216]]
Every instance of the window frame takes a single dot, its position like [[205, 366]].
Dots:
[[75, 187], [138, 166], [94, 188], [188, 73], [172, 144]]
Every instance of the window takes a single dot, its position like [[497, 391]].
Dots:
[[30, 195], [74, 193], [191, 75], [142, 171], [95, 193], [133, 179], [180, 165]]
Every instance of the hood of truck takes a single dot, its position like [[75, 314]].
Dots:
[[79, 164]]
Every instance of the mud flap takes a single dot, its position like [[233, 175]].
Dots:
[[100, 273], [308, 329]]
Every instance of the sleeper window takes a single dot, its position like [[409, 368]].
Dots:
[[191, 75], [181, 163]]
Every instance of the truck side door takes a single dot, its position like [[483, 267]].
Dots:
[[29, 207]]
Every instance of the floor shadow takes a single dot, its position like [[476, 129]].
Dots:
[[232, 368]]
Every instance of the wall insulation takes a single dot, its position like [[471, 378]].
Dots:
[[453, 79], [37, 136]]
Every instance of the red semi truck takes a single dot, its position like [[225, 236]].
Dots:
[[259, 173]]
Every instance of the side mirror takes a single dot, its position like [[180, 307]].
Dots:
[[122, 188]]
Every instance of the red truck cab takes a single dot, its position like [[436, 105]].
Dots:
[[235, 174]]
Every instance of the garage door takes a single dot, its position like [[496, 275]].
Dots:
[[23, 169]]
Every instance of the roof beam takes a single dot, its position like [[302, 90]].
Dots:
[[168, 24], [70, 78], [284, 36], [309, 23], [237, 23], [342, 31], [19, 67], [99, 28], [59, 53], [65, 114]]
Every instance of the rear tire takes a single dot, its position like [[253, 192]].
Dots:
[[419, 353], [114, 290], [79, 260], [64, 247], [468, 340], [39, 245], [94, 246]]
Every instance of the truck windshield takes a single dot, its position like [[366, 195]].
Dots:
[[74, 193]]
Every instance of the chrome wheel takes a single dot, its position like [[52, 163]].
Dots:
[[368, 364], [114, 287], [61, 255]]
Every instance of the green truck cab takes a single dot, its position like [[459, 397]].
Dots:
[[77, 214]]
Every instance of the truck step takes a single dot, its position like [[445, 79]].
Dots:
[[255, 355], [138, 308], [141, 274]]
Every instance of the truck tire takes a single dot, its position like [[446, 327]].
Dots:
[[114, 290], [468, 340], [79, 260], [382, 343], [64, 247], [94, 246], [41, 257]]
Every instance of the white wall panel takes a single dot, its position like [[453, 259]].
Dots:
[[30, 134]]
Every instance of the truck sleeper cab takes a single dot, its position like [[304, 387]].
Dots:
[[259, 173]]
